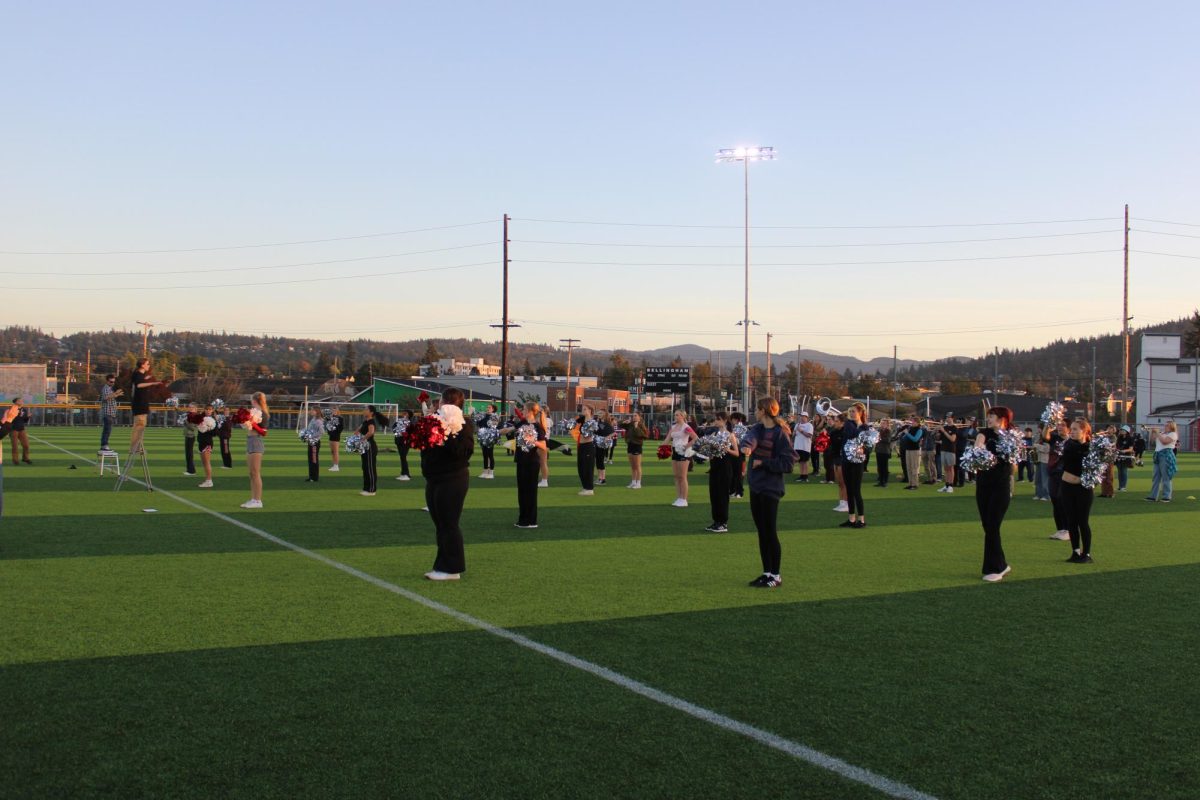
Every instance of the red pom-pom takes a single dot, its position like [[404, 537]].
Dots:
[[423, 397], [664, 451], [821, 443], [425, 432], [195, 417]]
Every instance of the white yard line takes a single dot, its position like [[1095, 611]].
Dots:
[[797, 750]]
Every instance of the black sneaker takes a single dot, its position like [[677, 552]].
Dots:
[[859, 524], [1085, 559], [846, 524], [600, 482], [1076, 558], [771, 582], [760, 581], [715, 528]]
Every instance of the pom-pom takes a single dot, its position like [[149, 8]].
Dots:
[[712, 445], [821, 442], [452, 419], [310, 437], [977, 459], [424, 432], [489, 436], [207, 424], [567, 424], [1101, 453], [195, 417], [218, 404], [250, 419], [589, 427], [664, 451], [172, 402], [1053, 414], [357, 443], [527, 437], [400, 426], [1010, 445], [423, 397], [855, 451], [333, 424]]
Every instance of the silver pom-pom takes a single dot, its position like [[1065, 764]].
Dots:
[[977, 459], [400, 426], [310, 437], [357, 443], [1053, 414]]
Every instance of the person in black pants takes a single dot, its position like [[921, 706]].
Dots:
[[768, 448], [402, 447], [737, 469], [527, 432], [488, 419], [447, 472], [314, 432], [333, 426], [883, 453], [370, 459], [992, 494], [1076, 498], [224, 435], [604, 436], [852, 471], [719, 470], [585, 456], [1057, 438]]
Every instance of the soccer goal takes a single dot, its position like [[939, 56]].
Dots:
[[352, 414]]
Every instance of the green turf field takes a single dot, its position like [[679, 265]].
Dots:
[[176, 654]]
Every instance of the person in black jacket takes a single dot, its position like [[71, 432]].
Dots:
[[525, 453], [993, 493], [447, 472], [1075, 497], [769, 455], [334, 425], [402, 447], [372, 424]]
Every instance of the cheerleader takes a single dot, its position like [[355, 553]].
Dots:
[[447, 471], [255, 447], [204, 440], [314, 431], [224, 438], [1056, 437], [585, 453], [488, 419], [189, 441], [402, 447], [372, 422], [525, 454], [604, 442], [835, 424], [1076, 498], [719, 469], [333, 425], [851, 472], [992, 494], [636, 434], [737, 424], [680, 436], [768, 448]]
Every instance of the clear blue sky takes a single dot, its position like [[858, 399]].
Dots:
[[150, 126]]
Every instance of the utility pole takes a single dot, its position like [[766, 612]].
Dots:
[[146, 326], [996, 378], [1125, 329], [1095, 400], [570, 343], [67, 390], [895, 386], [798, 374], [768, 365], [504, 323], [87, 370]]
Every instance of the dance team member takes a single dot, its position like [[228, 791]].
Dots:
[[680, 436], [447, 472], [585, 453], [402, 448], [1076, 498], [835, 424], [314, 432], [768, 450], [737, 480], [224, 438], [1056, 437], [527, 462], [372, 423], [883, 453], [255, 447], [720, 470], [334, 427], [189, 441], [604, 432], [636, 434], [855, 420], [992, 494], [488, 419], [204, 441]]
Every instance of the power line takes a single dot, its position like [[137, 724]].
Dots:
[[1168, 255], [197, 270], [238, 246], [821, 246], [813, 263], [243, 285], [1166, 233], [820, 227], [1167, 222]]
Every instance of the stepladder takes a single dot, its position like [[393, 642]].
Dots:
[[135, 455]]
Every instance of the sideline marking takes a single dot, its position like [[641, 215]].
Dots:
[[797, 750]]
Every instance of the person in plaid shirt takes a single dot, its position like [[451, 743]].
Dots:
[[108, 409]]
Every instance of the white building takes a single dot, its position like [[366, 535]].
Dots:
[[1168, 386], [452, 366]]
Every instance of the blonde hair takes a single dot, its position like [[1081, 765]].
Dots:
[[1172, 426], [260, 400]]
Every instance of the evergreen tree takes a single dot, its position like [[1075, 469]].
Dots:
[[349, 363]]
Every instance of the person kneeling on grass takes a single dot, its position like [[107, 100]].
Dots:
[[769, 456]]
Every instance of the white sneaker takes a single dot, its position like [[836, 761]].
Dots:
[[632, 485], [252, 504], [543, 484], [434, 575], [1062, 536], [680, 503], [402, 478], [335, 468], [997, 576], [424, 508], [367, 494], [943, 490], [842, 507], [206, 485], [637, 484], [949, 490], [187, 474], [586, 492]]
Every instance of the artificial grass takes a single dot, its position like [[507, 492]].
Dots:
[[882, 647]]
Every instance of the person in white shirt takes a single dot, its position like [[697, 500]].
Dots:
[[802, 438], [1165, 464]]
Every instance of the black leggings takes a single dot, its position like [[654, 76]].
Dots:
[[992, 501], [370, 460], [528, 467], [226, 454], [402, 448], [585, 462], [445, 496], [852, 474], [1056, 501], [765, 510], [1077, 506], [489, 456], [718, 489], [881, 462], [601, 458], [736, 471], [314, 461]]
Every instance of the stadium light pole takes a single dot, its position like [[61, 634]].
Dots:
[[746, 155]]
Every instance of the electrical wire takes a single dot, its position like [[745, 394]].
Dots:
[[811, 263], [244, 285], [1168, 255], [1166, 233], [1166, 222], [822, 246], [239, 246], [819, 227]]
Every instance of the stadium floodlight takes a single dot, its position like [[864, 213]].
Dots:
[[746, 155]]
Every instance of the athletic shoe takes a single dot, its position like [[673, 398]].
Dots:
[[206, 485], [525, 527], [1165, 500], [1151, 500], [680, 503], [424, 508], [632, 485], [1075, 558], [225, 467], [189, 474], [846, 524], [600, 482], [771, 582], [949, 490], [403, 478], [842, 507], [1062, 536], [1086, 558], [335, 468], [637, 485], [367, 494], [1122, 490], [30, 463], [943, 489], [543, 484], [586, 492], [995, 577], [910, 488], [717, 528], [859, 524], [761, 580], [252, 504], [434, 575]]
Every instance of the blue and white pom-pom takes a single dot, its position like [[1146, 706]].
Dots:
[[171, 402], [527, 437], [589, 427], [218, 404], [357, 443], [977, 459], [1053, 414], [310, 437], [567, 424], [488, 436], [1010, 445], [603, 442], [712, 445], [332, 425], [400, 426]]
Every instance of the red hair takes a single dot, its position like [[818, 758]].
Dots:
[[1002, 413]]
